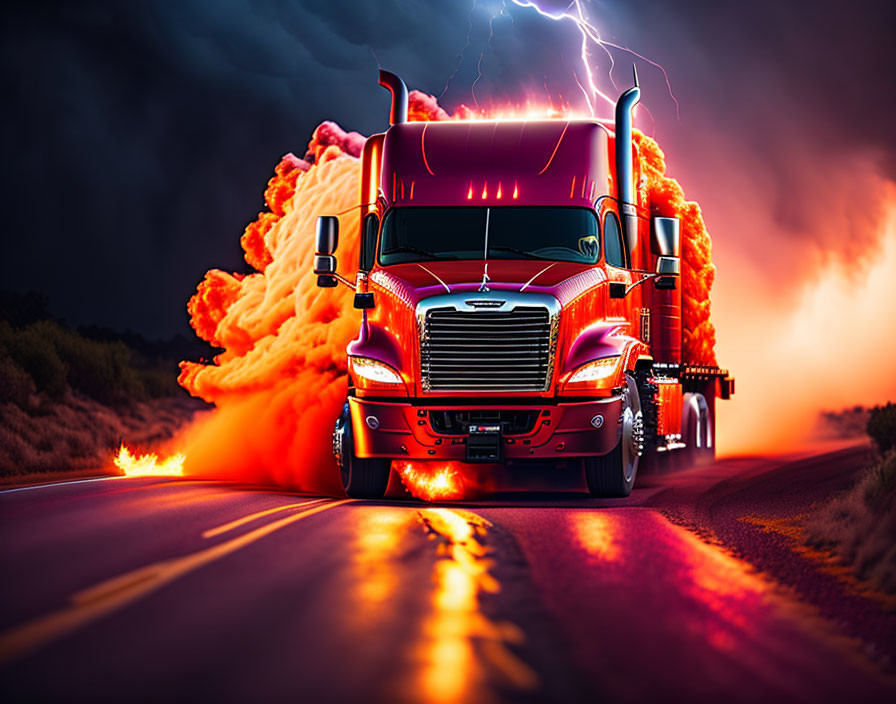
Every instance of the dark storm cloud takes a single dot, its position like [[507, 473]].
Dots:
[[137, 137]]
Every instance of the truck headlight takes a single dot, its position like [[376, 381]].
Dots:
[[599, 374], [375, 371]]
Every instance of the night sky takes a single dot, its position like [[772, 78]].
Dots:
[[138, 137]]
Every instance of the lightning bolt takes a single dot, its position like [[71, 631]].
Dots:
[[460, 57], [591, 39], [491, 34]]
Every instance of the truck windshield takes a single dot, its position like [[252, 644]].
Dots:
[[549, 233]]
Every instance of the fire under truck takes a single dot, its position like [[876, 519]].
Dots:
[[519, 304]]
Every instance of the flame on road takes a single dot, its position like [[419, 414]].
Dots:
[[431, 481], [148, 465], [444, 480]]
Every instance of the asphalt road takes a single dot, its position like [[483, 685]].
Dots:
[[171, 590]]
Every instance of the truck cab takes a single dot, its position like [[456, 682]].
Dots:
[[519, 304]]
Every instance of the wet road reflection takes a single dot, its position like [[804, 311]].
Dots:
[[596, 532], [532, 600], [461, 649], [686, 606], [381, 536]]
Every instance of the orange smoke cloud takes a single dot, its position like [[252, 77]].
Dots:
[[280, 382], [828, 346], [278, 195], [666, 198], [423, 107]]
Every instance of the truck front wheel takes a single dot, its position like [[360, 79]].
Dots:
[[613, 475], [362, 477]]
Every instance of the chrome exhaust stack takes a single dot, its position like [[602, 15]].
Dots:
[[624, 166], [399, 112]]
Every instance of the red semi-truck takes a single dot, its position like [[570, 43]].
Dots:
[[520, 304]]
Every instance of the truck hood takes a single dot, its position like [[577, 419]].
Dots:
[[413, 282]]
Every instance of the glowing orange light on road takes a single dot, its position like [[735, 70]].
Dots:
[[452, 669], [149, 465], [516, 190], [379, 536], [498, 195], [598, 533], [484, 191], [470, 192]]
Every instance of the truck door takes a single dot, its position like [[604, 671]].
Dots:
[[618, 271]]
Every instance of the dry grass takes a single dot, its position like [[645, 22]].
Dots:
[[859, 526], [77, 433]]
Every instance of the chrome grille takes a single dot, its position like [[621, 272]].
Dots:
[[486, 350]]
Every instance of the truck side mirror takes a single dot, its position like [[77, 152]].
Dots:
[[617, 289], [326, 239], [664, 237], [668, 266], [667, 269]]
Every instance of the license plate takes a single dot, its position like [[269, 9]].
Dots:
[[484, 443]]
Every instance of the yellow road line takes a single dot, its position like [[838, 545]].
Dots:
[[212, 532], [113, 594]]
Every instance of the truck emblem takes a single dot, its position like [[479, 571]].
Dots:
[[485, 303], [483, 287]]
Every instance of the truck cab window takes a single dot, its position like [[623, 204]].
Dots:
[[368, 241], [613, 240]]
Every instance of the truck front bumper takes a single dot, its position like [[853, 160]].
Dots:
[[404, 430]]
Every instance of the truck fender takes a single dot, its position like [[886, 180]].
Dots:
[[376, 343], [604, 339]]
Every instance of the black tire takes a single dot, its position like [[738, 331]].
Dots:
[[613, 475], [362, 478], [697, 430]]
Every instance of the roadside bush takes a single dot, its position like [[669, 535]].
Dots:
[[160, 383], [859, 525], [100, 370], [47, 357], [880, 486], [882, 427], [16, 385], [30, 351]]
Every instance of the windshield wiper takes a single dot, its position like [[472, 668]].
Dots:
[[528, 255], [415, 250]]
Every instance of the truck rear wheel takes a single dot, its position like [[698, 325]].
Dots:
[[362, 477], [697, 430], [613, 475]]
